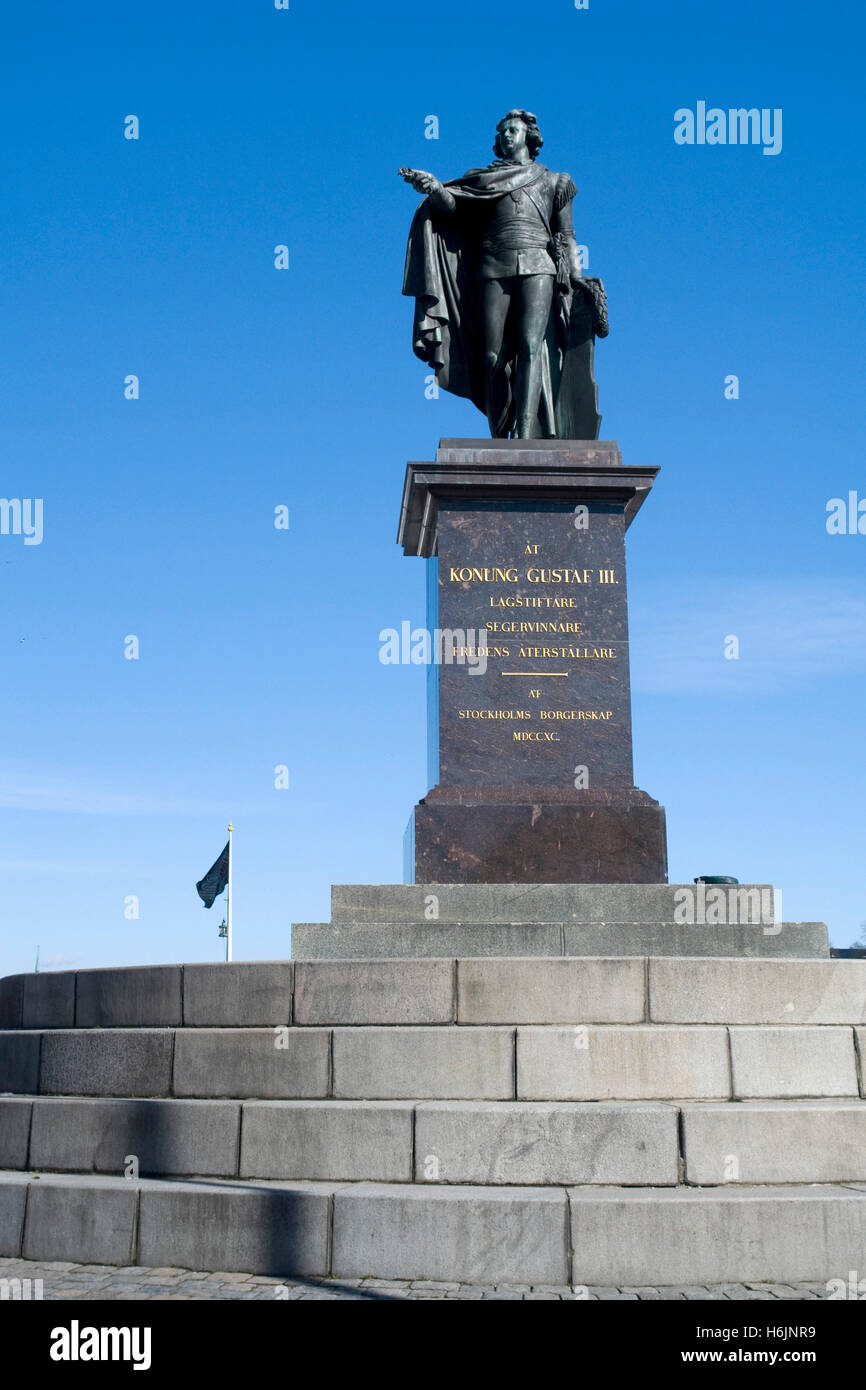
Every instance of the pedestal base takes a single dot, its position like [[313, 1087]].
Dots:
[[610, 837]]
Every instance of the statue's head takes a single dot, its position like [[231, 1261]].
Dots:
[[517, 128]]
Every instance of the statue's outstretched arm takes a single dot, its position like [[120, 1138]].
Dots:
[[423, 182]]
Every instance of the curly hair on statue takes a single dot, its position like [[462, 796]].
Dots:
[[534, 140]]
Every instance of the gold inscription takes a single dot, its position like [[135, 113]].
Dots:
[[473, 652], [575, 714], [532, 736], [568, 653], [494, 714], [532, 601], [492, 575], [535, 575], [561, 628]]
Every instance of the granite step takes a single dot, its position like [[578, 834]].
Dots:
[[557, 919], [473, 1234], [633, 1143], [465, 989], [389, 1141], [579, 903], [370, 939], [636, 1061]]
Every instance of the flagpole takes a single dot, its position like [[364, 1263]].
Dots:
[[229, 901]]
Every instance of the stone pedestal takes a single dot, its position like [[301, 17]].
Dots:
[[529, 716]]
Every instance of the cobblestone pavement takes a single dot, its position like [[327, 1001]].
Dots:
[[62, 1280]]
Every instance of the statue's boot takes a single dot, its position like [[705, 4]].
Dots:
[[528, 389], [499, 402]]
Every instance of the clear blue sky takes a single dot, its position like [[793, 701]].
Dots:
[[262, 387]]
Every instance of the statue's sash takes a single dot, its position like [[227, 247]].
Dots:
[[496, 180]]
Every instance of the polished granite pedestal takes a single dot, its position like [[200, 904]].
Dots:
[[529, 709]]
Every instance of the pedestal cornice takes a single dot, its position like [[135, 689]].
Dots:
[[552, 469]]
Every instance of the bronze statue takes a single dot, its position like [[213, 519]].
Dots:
[[503, 313]]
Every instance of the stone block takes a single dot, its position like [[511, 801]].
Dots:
[[588, 903], [267, 1063], [14, 1131], [11, 997], [387, 940], [258, 1228], [383, 940], [551, 991], [238, 994], [473, 1235], [112, 1062], [330, 1140], [13, 1200], [622, 1063], [800, 939], [543, 1143], [775, 1142], [421, 1063], [165, 1136], [70, 1219], [757, 991], [48, 999], [147, 996], [793, 1061], [374, 991], [617, 835], [19, 1062], [631, 1236]]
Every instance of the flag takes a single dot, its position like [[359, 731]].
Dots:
[[214, 880]]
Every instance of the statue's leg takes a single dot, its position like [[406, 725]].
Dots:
[[535, 296], [495, 303]]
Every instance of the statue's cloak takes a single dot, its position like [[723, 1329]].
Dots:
[[442, 260]]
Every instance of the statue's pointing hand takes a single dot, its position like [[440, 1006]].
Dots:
[[421, 181]]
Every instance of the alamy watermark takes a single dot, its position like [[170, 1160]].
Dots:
[[443, 646], [21, 1290], [846, 516], [852, 1288], [77, 1343], [735, 126], [711, 905], [22, 516]]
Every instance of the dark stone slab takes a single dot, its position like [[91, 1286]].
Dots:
[[600, 452], [552, 693], [553, 842]]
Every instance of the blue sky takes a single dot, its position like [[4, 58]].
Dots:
[[261, 387]]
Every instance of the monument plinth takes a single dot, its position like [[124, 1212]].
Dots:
[[529, 709]]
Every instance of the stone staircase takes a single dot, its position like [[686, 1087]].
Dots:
[[549, 1115]]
